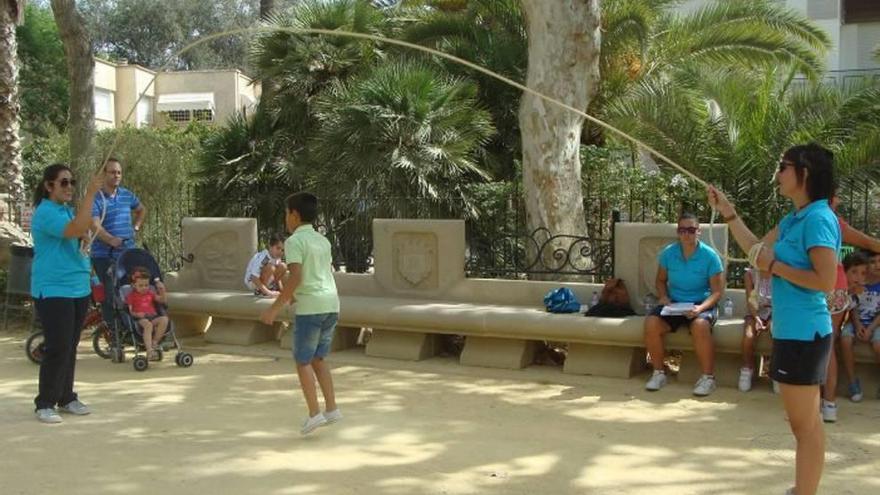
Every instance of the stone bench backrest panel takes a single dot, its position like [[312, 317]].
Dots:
[[221, 249]]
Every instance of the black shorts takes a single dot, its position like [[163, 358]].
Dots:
[[800, 362], [674, 322]]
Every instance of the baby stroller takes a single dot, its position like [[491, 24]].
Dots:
[[127, 332]]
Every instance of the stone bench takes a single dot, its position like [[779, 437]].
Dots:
[[420, 297]]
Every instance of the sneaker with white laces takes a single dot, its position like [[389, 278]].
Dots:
[[48, 415], [745, 379], [75, 407], [657, 381], [332, 416], [313, 423], [829, 411], [704, 386]]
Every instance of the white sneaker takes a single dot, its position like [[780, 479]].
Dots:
[[332, 416], [48, 415], [75, 407], [656, 382], [829, 411], [775, 387], [705, 386], [313, 423], [745, 379]]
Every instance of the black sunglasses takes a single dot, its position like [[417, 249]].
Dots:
[[67, 182], [688, 230]]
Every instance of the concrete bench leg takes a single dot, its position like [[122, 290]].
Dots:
[[239, 332], [604, 360], [727, 368], [498, 353], [190, 325], [409, 346]]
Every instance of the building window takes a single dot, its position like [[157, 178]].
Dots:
[[203, 115], [144, 115], [860, 11], [178, 115], [103, 104]]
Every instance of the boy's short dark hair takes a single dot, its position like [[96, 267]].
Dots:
[[855, 258], [274, 239], [306, 204], [869, 254]]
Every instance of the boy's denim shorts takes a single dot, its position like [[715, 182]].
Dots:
[[312, 335], [848, 330]]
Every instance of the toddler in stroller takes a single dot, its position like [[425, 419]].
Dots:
[[142, 317], [141, 303]]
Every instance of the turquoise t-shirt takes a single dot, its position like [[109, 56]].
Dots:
[[689, 278], [800, 313], [316, 293], [59, 269]]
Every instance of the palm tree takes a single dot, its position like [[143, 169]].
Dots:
[[402, 132], [729, 127], [11, 14]]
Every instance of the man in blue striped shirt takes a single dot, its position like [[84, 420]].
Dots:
[[118, 225]]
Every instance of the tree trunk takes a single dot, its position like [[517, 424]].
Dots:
[[81, 71], [564, 41], [11, 14]]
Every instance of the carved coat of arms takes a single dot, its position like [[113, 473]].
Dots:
[[415, 260]]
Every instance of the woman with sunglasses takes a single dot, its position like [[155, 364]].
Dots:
[[689, 272], [803, 263], [60, 285]]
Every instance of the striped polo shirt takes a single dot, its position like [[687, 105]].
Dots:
[[117, 220]]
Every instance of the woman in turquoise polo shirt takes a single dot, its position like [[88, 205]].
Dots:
[[60, 286], [803, 263]]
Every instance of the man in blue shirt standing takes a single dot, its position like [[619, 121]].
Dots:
[[119, 214]]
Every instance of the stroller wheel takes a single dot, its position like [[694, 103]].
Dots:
[[102, 341], [35, 347], [117, 355], [183, 359], [140, 363]]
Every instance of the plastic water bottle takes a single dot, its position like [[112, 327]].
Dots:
[[728, 308], [595, 299]]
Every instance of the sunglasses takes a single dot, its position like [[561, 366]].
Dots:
[[687, 230], [67, 182]]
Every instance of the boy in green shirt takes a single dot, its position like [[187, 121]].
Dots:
[[311, 285]]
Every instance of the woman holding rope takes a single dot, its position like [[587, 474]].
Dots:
[[60, 285], [803, 264]]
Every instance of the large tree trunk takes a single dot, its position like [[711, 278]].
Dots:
[[564, 43], [11, 14], [81, 70]]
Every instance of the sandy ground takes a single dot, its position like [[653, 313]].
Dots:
[[230, 425]]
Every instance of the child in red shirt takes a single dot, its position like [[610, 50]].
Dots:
[[142, 306]]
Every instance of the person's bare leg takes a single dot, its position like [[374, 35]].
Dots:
[[848, 357], [701, 335], [307, 383], [266, 274], [280, 275], [748, 343], [161, 326], [148, 334], [829, 391], [325, 380], [802, 405], [655, 329]]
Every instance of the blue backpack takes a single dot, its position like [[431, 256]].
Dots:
[[562, 300]]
